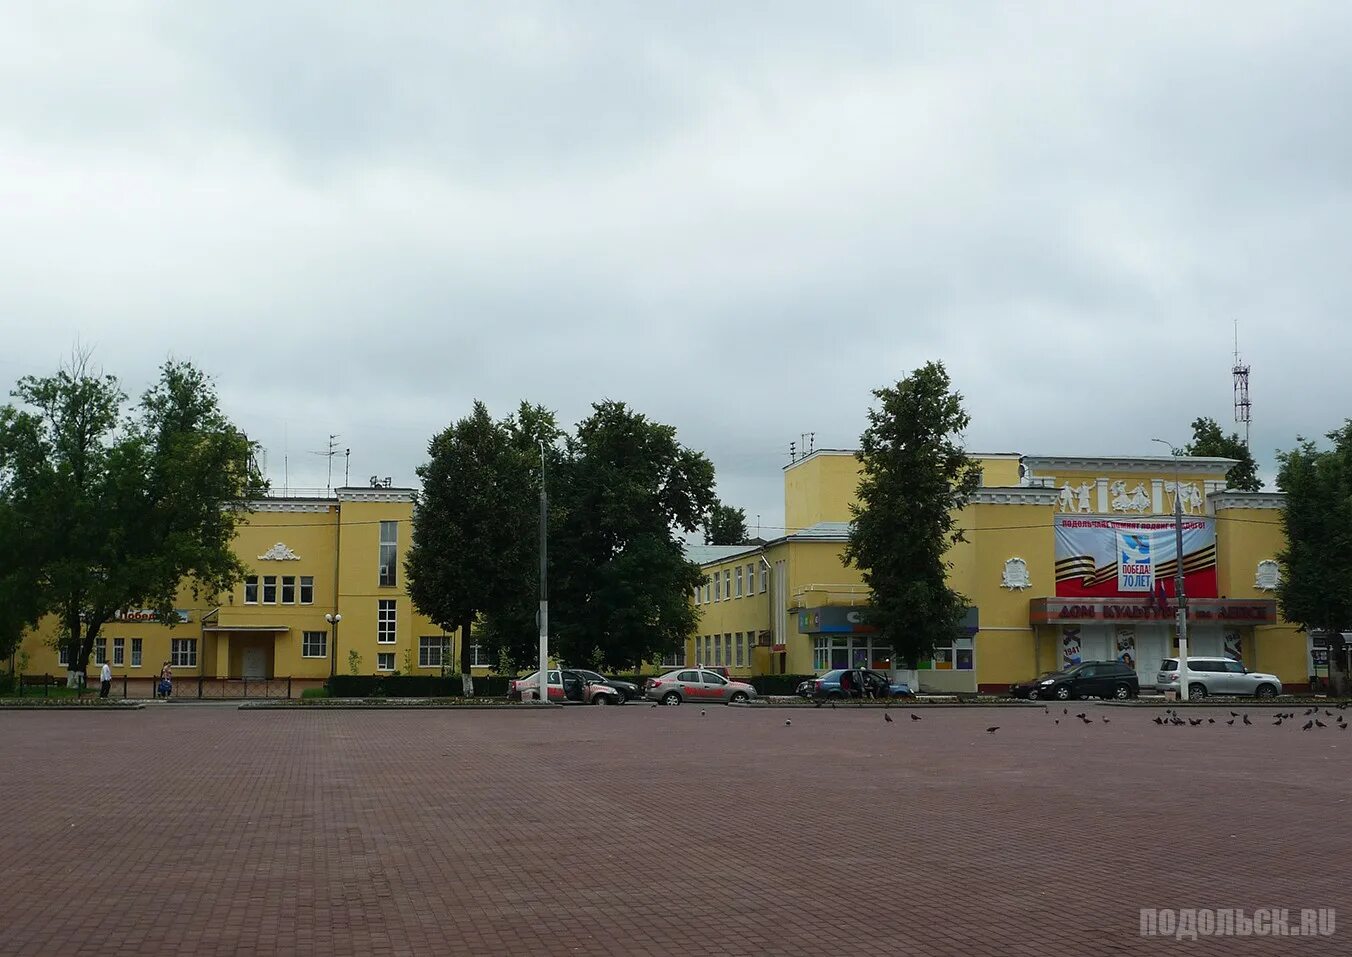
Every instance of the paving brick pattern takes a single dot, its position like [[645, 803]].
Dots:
[[207, 830]]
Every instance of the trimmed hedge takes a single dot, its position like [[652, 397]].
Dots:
[[413, 686], [778, 684]]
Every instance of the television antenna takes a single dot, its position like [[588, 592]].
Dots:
[[329, 453], [1243, 407]]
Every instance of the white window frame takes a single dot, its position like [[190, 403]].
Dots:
[[708, 590], [387, 621], [727, 649], [478, 656], [263, 596], [251, 582], [281, 593], [727, 582], [307, 644], [120, 652], [441, 644], [741, 650], [137, 652], [673, 659], [100, 650], [305, 584], [63, 656], [739, 581], [384, 654], [718, 587], [386, 573], [183, 652], [764, 578]]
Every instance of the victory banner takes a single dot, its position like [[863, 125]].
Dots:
[[1133, 557]]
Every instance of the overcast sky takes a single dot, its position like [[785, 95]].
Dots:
[[737, 217]]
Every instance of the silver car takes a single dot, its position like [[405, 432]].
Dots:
[[696, 684], [1222, 676]]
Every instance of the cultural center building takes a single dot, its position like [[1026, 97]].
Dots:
[[1066, 559], [325, 593]]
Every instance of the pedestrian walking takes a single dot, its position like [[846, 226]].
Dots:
[[105, 680], [166, 685]]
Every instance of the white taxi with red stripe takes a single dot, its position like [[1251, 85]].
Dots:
[[697, 684]]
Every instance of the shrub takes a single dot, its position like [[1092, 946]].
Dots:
[[778, 684], [412, 686], [315, 693]]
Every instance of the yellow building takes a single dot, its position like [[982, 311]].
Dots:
[[326, 583], [1040, 567]]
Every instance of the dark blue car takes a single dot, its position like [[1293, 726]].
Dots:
[[853, 683]]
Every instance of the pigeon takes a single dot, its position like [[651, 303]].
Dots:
[[701, 713], [787, 722], [1106, 721], [915, 717], [1343, 726], [1080, 716], [887, 717], [1057, 721], [1308, 725], [1246, 720], [1231, 721], [1194, 721], [654, 704], [1085, 720], [1278, 722], [1328, 714], [833, 706], [1159, 720], [1319, 724], [1065, 711], [993, 730], [1210, 720], [1233, 714], [1046, 710]]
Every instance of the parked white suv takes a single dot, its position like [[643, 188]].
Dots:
[[1223, 676]]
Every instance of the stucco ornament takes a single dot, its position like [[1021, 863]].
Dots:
[[279, 553], [1137, 500], [1075, 498], [1188, 495], [1268, 575], [1016, 577]]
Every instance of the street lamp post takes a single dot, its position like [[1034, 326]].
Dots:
[[543, 688], [1181, 598], [333, 618]]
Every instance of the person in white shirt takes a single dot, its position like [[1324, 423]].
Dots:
[[105, 680]]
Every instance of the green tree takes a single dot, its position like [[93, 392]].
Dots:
[[725, 525], [20, 579], [1208, 439], [619, 581], [1316, 584], [914, 479], [130, 509], [474, 522]]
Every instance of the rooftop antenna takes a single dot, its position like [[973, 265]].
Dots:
[[1243, 407], [347, 466], [811, 442], [793, 452], [329, 453]]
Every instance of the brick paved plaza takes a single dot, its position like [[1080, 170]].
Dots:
[[208, 830]]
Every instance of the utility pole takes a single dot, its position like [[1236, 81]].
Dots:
[[1180, 597], [544, 583]]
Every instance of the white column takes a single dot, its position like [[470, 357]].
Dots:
[[1103, 504], [1157, 495]]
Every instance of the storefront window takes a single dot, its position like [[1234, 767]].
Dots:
[[955, 656]]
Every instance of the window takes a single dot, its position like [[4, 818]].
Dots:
[[821, 654], [750, 580], [288, 589], [727, 649], [708, 649], [478, 657], [718, 651], [765, 579], [64, 655], [314, 644], [385, 661], [136, 652], [696, 599], [739, 581], [718, 587], [727, 582], [100, 650], [673, 659], [119, 651], [433, 651], [706, 591], [307, 589], [389, 539], [710, 678], [385, 621], [688, 676], [251, 590], [956, 656], [269, 589], [1233, 667], [183, 652], [741, 649]]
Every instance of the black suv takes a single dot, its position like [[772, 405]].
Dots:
[[1092, 679]]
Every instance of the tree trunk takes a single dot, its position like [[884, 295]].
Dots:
[[466, 677]]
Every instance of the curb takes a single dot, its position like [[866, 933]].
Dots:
[[415, 704], [11, 706]]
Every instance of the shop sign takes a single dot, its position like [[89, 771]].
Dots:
[[1045, 610]]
